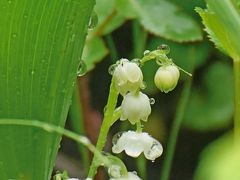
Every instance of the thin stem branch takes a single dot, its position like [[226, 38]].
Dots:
[[106, 124], [59, 130], [171, 145], [236, 67]]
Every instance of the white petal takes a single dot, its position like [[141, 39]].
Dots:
[[135, 107], [131, 176], [154, 150]]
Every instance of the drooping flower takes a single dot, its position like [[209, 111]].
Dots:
[[130, 176], [166, 78], [135, 107], [134, 143], [127, 76]]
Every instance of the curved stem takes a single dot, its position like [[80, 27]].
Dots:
[[167, 162], [236, 67], [57, 129], [106, 124]]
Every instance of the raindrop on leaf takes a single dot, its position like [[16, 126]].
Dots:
[[82, 68], [93, 21]]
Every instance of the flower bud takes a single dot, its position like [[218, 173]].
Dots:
[[134, 143], [128, 77], [166, 78], [135, 107]]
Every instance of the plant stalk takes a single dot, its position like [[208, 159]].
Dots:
[[171, 145], [236, 68], [106, 124]]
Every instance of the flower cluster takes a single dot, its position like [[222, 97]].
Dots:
[[135, 107]]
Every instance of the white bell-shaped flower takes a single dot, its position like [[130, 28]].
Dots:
[[128, 77], [130, 176], [166, 78], [135, 107], [134, 143]]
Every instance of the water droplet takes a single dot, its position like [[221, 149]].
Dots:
[[143, 85], [93, 21], [146, 52], [14, 35], [32, 72], [137, 61], [25, 15], [114, 171], [105, 109], [164, 48], [82, 68], [9, 1], [134, 172], [152, 101], [112, 68], [116, 137]]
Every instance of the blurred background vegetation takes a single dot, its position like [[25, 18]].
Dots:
[[125, 29]]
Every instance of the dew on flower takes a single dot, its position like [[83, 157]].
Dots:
[[152, 101], [146, 52]]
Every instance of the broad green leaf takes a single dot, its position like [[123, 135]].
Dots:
[[94, 51], [210, 106], [108, 17], [40, 47], [164, 19], [125, 8], [219, 161], [222, 21], [188, 6], [186, 56], [104, 8], [115, 22]]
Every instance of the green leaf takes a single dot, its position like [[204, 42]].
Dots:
[[115, 22], [219, 160], [108, 17], [125, 8], [40, 47], [188, 6], [104, 8], [222, 21], [94, 51], [164, 19], [210, 106]]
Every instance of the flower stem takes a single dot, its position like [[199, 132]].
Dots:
[[167, 162], [106, 124], [139, 127], [236, 67]]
